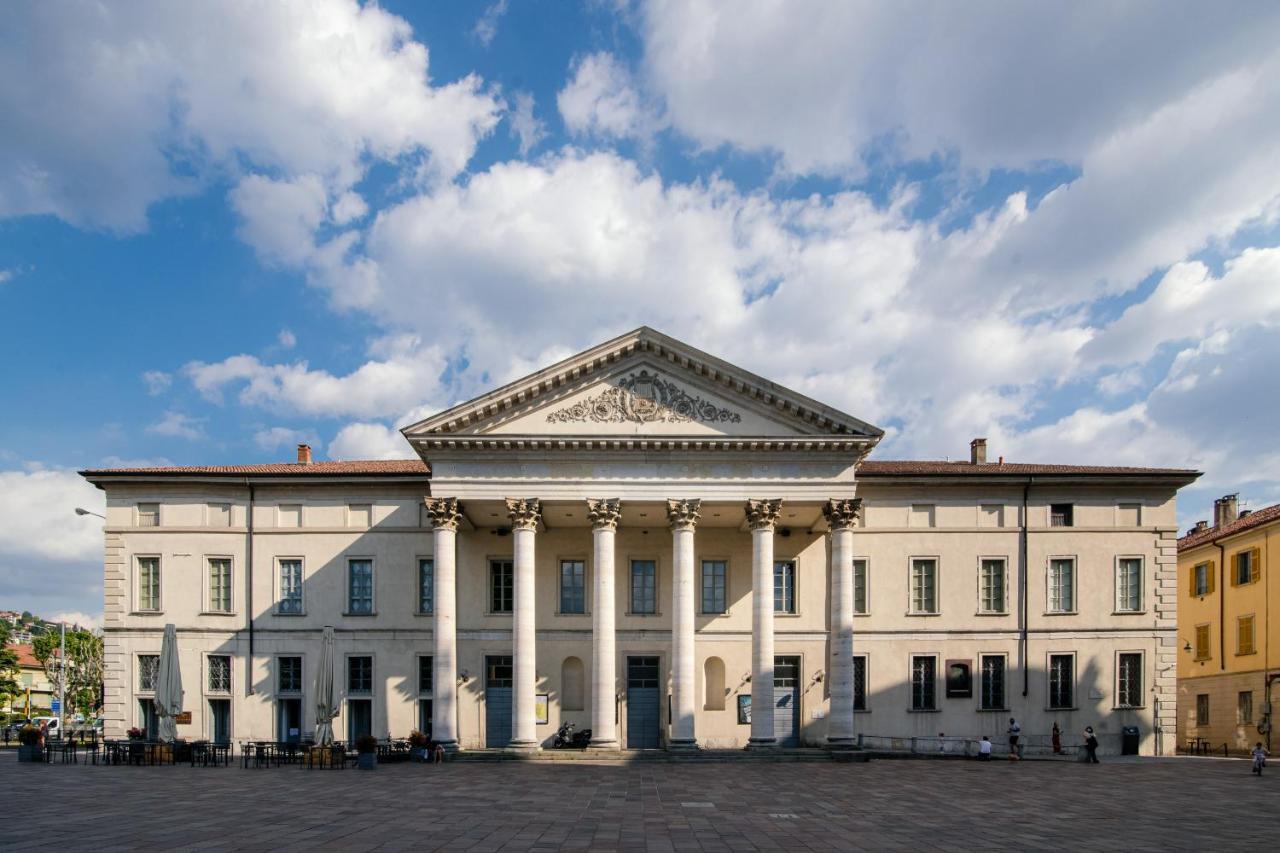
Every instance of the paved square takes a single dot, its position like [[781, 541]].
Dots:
[[1170, 804]]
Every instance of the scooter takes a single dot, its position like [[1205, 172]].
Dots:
[[567, 738]]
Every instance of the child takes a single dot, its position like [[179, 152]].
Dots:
[[984, 749], [1259, 758]]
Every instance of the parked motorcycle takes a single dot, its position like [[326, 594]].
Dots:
[[567, 738]]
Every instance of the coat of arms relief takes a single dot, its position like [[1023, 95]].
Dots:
[[644, 398]]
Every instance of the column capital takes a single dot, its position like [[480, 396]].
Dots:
[[445, 513], [604, 513], [525, 513], [841, 514], [763, 514], [683, 514]]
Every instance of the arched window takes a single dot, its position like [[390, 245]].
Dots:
[[572, 684], [713, 683]]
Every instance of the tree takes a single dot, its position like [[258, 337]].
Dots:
[[83, 670], [9, 686]]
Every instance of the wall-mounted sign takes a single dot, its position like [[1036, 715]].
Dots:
[[744, 709], [183, 718], [540, 706]]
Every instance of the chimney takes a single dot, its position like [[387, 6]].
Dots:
[[1244, 512], [1225, 510], [978, 451], [304, 454], [1201, 527]]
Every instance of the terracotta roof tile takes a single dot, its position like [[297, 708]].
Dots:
[[26, 655], [1212, 534], [354, 467], [906, 467]]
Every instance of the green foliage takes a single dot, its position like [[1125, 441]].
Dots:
[[9, 686], [83, 670], [366, 744], [29, 735]]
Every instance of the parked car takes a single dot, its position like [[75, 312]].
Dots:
[[14, 727], [51, 729]]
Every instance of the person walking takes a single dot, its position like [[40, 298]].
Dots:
[[1057, 740], [1091, 745], [1015, 735], [1259, 758]]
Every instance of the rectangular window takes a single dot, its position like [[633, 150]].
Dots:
[[644, 587], [860, 586], [993, 683], [426, 586], [1129, 676], [148, 583], [360, 674], [991, 597], [1244, 636], [714, 595], [1244, 707], [573, 586], [501, 586], [1061, 515], [859, 682], [1247, 567], [148, 666], [1202, 579], [1062, 681], [148, 515], [1203, 649], [289, 674], [1062, 585], [1128, 515], [220, 585], [290, 587], [289, 515], [425, 674], [1202, 709], [360, 587], [924, 585], [784, 586], [359, 515], [922, 515], [219, 673], [1129, 584], [923, 687]]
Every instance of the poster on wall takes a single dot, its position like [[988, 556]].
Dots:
[[540, 706], [744, 710]]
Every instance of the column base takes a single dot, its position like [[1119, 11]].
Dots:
[[683, 745], [605, 745], [762, 744], [524, 746], [450, 746]]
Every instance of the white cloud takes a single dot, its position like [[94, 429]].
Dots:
[[5, 275], [273, 438], [40, 521], [157, 382], [369, 441], [166, 95], [602, 99], [287, 339], [280, 217], [80, 618], [528, 129], [486, 29], [178, 425]]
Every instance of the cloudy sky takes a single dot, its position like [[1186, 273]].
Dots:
[[229, 227]]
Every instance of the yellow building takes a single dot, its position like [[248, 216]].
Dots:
[[1229, 653], [33, 683]]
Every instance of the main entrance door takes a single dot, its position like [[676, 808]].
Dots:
[[220, 720], [786, 701], [497, 700], [644, 730], [289, 724]]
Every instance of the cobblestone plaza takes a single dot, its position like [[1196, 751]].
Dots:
[[1145, 804]]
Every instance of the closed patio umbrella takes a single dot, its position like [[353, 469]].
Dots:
[[326, 697], [168, 698]]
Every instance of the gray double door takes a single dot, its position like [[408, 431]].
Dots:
[[644, 709], [786, 701], [497, 700]]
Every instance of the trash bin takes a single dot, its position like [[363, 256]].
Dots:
[[1129, 740]]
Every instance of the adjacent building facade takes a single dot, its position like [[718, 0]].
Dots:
[[1230, 654], [659, 546]]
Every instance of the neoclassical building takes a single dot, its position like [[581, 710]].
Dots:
[[657, 545]]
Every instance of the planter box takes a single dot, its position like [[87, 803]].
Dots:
[[32, 754], [367, 761]]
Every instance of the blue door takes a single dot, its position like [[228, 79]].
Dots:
[[786, 701], [644, 721], [497, 701]]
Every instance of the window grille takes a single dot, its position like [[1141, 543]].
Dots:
[[993, 682], [148, 666], [360, 586], [289, 675], [784, 587], [426, 586], [1061, 681], [923, 688], [1129, 689], [290, 586], [219, 673]]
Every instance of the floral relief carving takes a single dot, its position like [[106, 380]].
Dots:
[[525, 513], [842, 514], [445, 513], [604, 513], [644, 398]]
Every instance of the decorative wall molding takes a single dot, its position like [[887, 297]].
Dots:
[[641, 398]]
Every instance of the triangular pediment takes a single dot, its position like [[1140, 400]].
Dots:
[[643, 384]]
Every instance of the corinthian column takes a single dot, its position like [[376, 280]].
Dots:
[[524, 513], [762, 517], [683, 517], [445, 514], [841, 515], [604, 516]]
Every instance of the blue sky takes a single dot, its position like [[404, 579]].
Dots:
[[226, 228]]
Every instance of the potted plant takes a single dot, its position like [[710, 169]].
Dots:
[[418, 745], [367, 752], [29, 744], [136, 733]]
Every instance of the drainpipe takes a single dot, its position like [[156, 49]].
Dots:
[[1022, 588], [248, 597], [1222, 607]]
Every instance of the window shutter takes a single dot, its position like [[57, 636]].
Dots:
[[1255, 564], [1195, 570], [1212, 575], [1235, 569]]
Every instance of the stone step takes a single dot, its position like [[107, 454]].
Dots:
[[656, 755]]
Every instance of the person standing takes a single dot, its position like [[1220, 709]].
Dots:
[[1091, 745], [1015, 736], [1057, 740]]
